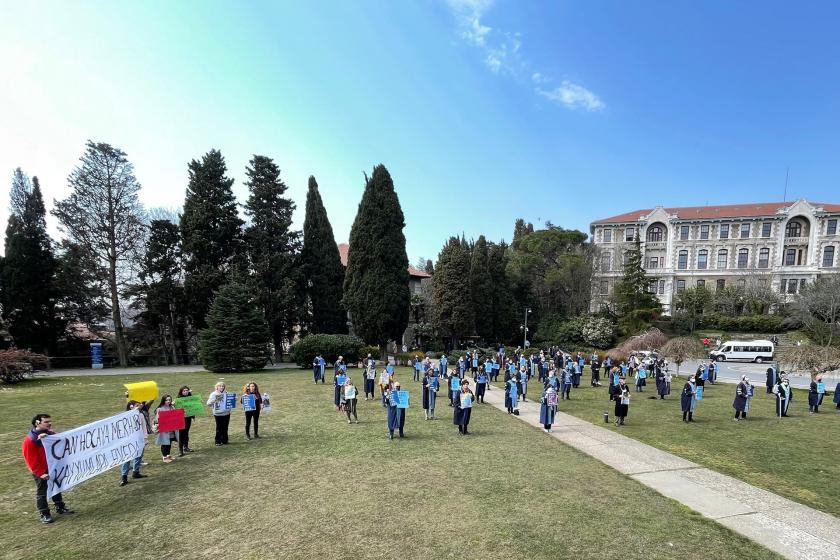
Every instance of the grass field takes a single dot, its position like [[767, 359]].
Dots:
[[795, 457], [313, 486]]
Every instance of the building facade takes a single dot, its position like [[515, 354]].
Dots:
[[783, 244]]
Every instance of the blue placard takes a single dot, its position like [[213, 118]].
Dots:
[[821, 388], [340, 379], [230, 400], [401, 399], [488, 367], [750, 391], [482, 379], [455, 384], [497, 366], [433, 383], [642, 374], [699, 394], [343, 367], [615, 379], [475, 363], [390, 369], [249, 402], [466, 400], [704, 376]]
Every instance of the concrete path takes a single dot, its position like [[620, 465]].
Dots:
[[784, 526], [143, 370]]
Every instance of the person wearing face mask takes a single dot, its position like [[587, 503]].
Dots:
[[784, 394], [662, 386], [816, 392], [621, 396], [396, 415], [742, 391], [221, 414], [35, 457], [463, 408], [688, 402], [165, 439]]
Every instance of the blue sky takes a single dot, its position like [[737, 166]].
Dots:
[[482, 111]]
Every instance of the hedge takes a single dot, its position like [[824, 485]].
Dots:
[[330, 346]]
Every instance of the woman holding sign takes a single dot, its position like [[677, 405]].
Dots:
[[218, 399], [463, 408], [252, 404], [548, 407], [184, 435], [430, 389], [164, 439], [396, 412], [815, 394], [621, 396], [349, 397]]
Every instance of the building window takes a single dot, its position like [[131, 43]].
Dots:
[[683, 233], [680, 285], [701, 283], [721, 284], [745, 231], [722, 255], [704, 232], [828, 256], [783, 286], [605, 262], [791, 286], [654, 234], [703, 259], [629, 234], [605, 287], [766, 229], [831, 229], [793, 229], [661, 287], [652, 287], [724, 231], [607, 236], [682, 260], [790, 257], [742, 283], [743, 258], [801, 284], [764, 258], [654, 262]]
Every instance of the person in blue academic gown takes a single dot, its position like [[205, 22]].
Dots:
[[396, 415], [568, 381], [316, 368], [742, 391], [511, 396], [339, 377], [548, 407], [463, 408], [443, 363], [452, 382], [481, 384], [784, 394], [621, 396], [431, 383], [816, 392], [662, 387], [687, 400]]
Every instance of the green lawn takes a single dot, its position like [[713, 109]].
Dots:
[[795, 457], [315, 487]]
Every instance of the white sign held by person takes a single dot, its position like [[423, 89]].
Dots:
[[77, 455]]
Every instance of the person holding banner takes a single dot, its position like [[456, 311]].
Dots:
[[137, 461], [548, 407], [252, 410], [688, 401], [349, 397], [463, 408], [430, 388], [164, 439], [396, 415], [184, 435], [816, 392], [36, 461], [221, 413]]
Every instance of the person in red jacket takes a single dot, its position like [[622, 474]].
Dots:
[[36, 462]]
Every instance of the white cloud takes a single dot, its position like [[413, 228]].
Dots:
[[573, 96], [538, 78]]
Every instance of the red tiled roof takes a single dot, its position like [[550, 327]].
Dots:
[[344, 248], [714, 212]]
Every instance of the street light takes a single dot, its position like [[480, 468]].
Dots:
[[524, 329]]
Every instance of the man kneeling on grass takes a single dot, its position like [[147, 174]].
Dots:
[[36, 462]]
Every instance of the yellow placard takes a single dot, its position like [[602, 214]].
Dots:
[[142, 391]]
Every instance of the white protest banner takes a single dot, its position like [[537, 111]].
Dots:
[[77, 455]]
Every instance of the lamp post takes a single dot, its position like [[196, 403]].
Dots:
[[525, 330]]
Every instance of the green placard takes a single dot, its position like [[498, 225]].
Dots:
[[193, 405]]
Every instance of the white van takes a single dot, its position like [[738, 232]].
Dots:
[[757, 351]]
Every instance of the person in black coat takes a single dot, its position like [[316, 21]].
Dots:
[[837, 396], [771, 379], [742, 392], [621, 396], [661, 383], [784, 396], [687, 402], [815, 397], [463, 408]]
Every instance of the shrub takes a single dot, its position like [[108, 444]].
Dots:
[[598, 332], [791, 323], [16, 365], [372, 350], [330, 346]]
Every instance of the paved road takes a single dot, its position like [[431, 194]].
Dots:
[[731, 372], [137, 370]]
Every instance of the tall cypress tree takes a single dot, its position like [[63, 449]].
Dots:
[[272, 249], [631, 292], [481, 290], [322, 267], [211, 233], [454, 314], [504, 305], [376, 283], [27, 289]]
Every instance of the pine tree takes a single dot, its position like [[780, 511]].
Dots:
[[211, 233], [505, 317], [454, 315], [481, 290], [631, 292], [429, 268], [520, 230], [27, 291], [376, 283], [322, 268], [237, 336], [104, 216], [272, 249]]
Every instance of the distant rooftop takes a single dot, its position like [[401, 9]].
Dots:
[[716, 212], [344, 248]]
